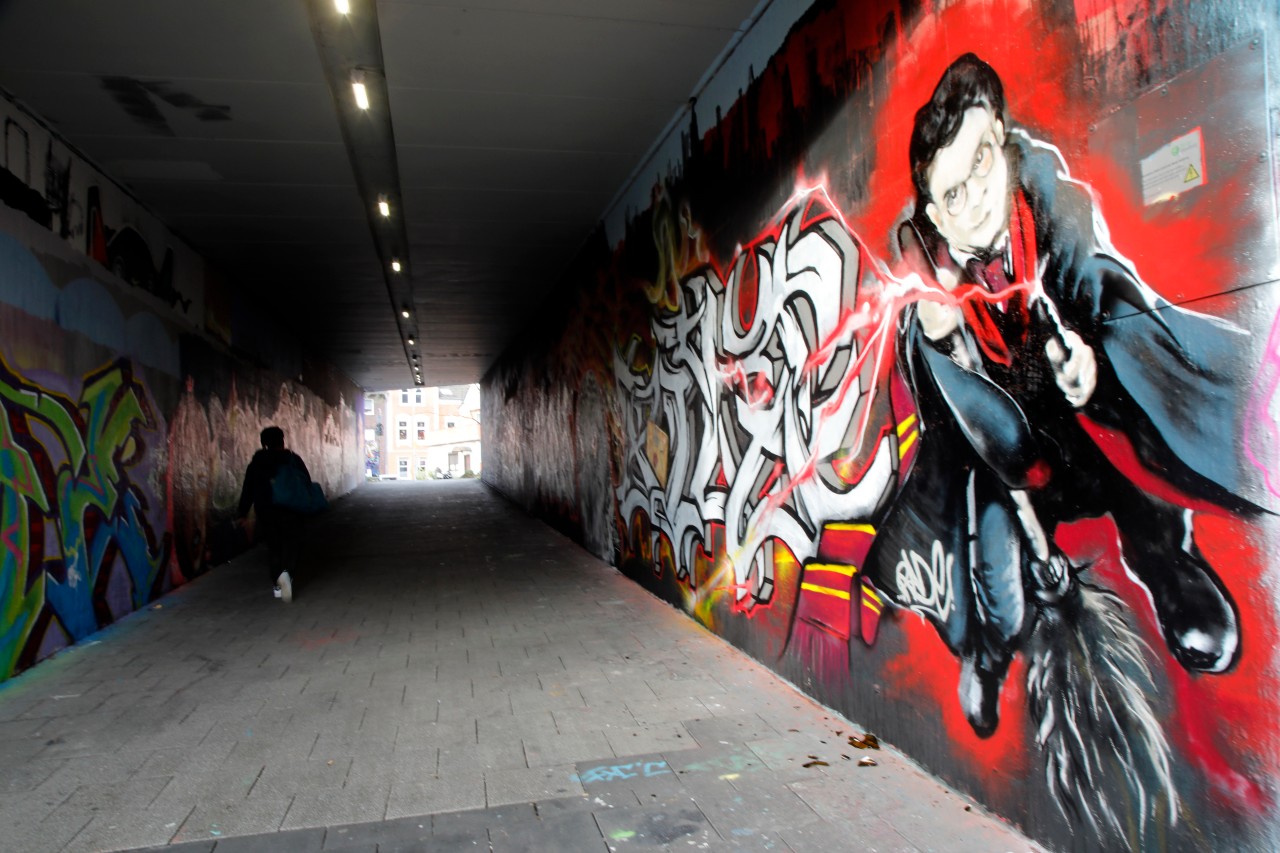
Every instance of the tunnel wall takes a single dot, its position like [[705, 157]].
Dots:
[[134, 380], [1024, 530]]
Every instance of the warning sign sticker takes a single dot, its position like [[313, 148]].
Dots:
[[1173, 169]]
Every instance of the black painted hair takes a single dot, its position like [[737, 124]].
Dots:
[[967, 82], [272, 438]]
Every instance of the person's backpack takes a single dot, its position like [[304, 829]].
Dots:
[[291, 488]]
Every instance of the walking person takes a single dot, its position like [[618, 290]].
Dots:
[[278, 526]]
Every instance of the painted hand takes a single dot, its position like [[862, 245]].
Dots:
[[1074, 367], [937, 320]]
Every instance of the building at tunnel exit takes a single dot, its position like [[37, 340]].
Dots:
[[932, 357]]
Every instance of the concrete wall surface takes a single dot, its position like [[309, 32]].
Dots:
[[938, 368], [133, 385]]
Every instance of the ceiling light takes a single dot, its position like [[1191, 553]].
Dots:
[[404, 312], [395, 265], [410, 341], [384, 207], [343, 6], [362, 94]]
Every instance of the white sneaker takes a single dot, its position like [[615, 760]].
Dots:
[[276, 592], [284, 587]]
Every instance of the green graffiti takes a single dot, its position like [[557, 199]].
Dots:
[[64, 468], [19, 606]]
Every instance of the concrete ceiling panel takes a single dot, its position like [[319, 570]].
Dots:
[[85, 108], [714, 14], [209, 39], [527, 122], [510, 168], [491, 50]]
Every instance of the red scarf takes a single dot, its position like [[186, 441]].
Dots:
[[994, 330]]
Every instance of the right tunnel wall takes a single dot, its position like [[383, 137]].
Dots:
[[938, 368]]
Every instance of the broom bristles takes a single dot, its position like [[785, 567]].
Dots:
[[1087, 687]]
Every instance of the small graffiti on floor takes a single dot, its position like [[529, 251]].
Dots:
[[722, 765], [617, 772]]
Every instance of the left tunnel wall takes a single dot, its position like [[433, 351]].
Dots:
[[134, 380]]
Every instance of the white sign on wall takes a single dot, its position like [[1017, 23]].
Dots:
[[1173, 169]]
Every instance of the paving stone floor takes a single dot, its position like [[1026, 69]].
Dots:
[[452, 675]]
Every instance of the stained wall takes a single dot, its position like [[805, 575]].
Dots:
[[134, 380], [977, 444]]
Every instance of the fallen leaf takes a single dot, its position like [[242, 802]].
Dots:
[[867, 741], [329, 762], [866, 762], [815, 763]]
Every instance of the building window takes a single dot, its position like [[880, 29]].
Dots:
[[368, 405], [422, 430], [417, 395], [422, 466], [450, 423], [404, 430], [404, 396], [404, 468]]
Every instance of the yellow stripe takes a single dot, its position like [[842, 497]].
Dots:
[[906, 445], [868, 591], [847, 571], [872, 607], [856, 528], [906, 424], [823, 590]]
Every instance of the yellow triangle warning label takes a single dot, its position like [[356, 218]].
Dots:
[[1192, 174]]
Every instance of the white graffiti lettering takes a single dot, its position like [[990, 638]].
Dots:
[[924, 585], [739, 421]]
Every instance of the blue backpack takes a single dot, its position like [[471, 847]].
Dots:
[[292, 489]]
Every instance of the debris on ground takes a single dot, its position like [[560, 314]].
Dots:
[[867, 741]]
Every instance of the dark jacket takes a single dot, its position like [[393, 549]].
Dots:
[[256, 491]]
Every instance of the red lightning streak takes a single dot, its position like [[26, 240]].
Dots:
[[875, 319], [757, 391]]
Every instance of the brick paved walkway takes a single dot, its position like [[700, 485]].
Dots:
[[452, 675]]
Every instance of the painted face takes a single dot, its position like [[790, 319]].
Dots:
[[969, 184]]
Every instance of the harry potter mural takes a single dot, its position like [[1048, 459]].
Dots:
[[932, 384], [1037, 411]]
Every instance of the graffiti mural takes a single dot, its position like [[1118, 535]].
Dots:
[[940, 387], [124, 430], [42, 177], [82, 548], [766, 382], [212, 441]]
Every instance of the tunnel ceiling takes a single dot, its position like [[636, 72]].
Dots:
[[507, 128]]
